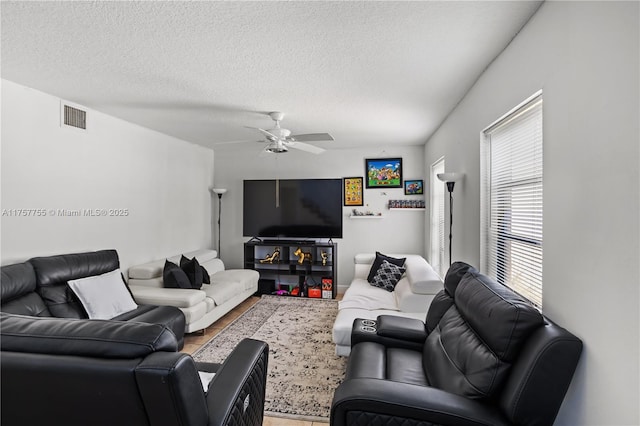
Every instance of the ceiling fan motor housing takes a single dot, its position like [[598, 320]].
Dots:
[[276, 115]]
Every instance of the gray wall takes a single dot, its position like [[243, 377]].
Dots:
[[585, 56], [397, 232], [162, 181]]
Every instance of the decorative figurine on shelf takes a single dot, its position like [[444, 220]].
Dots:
[[273, 257], [302, 256], [324, 256]]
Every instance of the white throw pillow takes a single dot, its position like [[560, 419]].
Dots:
[[103, 296]]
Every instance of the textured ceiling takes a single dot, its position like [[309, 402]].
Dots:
[[369, 73]]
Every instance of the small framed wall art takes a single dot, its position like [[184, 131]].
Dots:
[[384, 172], [413, 187], [353, 191]]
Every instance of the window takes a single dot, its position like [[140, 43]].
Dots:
[[437, 196], [511, 200]]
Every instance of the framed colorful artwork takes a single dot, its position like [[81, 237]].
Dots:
[[353, 191], [413, 187], [384, 172]]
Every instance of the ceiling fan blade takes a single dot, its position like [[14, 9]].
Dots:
[[235, 142], [312, 137], [267, 133], [304, 147]]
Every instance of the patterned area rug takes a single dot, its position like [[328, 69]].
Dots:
[[303, 368]]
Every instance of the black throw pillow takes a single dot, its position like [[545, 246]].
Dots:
[[388, 276], [174, 277], [192, 268], [206, 279], [378, 262]]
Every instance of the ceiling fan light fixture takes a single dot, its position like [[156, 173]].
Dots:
[[276, 148]]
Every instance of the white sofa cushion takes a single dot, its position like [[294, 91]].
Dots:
[[148, 270], [213, 266], [157, 282], [246, 279], [362, 295], [221, 293], [408, 301]]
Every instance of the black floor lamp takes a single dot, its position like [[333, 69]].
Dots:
[[450, 179], [219, 191]]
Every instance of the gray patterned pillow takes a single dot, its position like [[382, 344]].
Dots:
[[388, 276]]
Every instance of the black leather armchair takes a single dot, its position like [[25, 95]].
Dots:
[[484, 356], [94, 372]]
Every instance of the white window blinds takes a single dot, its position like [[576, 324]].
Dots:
[[437, 218], [511, 200]]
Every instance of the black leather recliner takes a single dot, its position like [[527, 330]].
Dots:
[[484, 356], [103, 372]]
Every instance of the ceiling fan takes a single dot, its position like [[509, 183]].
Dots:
[[280, 139]]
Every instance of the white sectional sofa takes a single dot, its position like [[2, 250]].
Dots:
[[202, 307], [411, 298]]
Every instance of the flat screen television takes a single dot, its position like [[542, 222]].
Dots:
[[292, 208]]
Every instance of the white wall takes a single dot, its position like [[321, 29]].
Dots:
[[397, 232], [161, 180], [585, 56]]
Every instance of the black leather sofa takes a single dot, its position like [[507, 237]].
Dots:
[[483, 356], [39, 288], [59, 368]]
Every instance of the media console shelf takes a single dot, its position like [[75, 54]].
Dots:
[[286, 275]]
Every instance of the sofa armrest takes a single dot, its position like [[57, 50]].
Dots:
[[390, 331], [178, 297], [236, 394], [84, 337], [170, 387], [375, 401], [401, 328]]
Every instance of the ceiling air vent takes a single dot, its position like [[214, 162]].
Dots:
[[74, 117]]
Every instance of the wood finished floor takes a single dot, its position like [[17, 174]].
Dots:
[[192, 342]]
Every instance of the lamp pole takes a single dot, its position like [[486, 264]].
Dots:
[[219, 192], [450, 186], [450, 179]]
